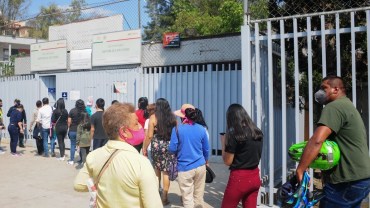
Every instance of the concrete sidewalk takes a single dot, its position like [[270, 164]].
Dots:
[[34, 181]]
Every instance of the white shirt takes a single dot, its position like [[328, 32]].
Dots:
[[146, 127], [44, 116]]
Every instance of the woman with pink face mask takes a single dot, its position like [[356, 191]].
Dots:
[[137, 132], [125, 174]]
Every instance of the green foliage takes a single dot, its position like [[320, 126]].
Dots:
[[11, 10], [193, 17], [259, 9], [161, 18], [75, 8], [231, 14], [7, 68], [54, 15]]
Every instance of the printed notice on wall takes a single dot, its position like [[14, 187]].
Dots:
[[74, 95], [120, 87]]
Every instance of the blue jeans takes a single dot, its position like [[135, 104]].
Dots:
[[349, 194], [52, 142], [45, 139], [72, 136], [14, 135]]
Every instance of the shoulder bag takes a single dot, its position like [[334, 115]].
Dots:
[[93, 186]]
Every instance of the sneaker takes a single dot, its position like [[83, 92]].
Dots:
[[15, 154], [2, 152], [61, 158], [22, 146], [70, 162], [53, 154]]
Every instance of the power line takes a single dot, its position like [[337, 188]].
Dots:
[[107, 3]]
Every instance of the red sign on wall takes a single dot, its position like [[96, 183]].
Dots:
[[171, 40]]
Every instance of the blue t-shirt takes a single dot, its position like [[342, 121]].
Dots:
[[192, 148], [15, 117]]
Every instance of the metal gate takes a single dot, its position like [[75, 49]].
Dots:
[[211, 87], [290, 77]]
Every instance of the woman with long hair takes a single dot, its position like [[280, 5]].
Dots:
[[74, 118], [83, 136], [190, 142], [141, 112], [159, 135], [148, 152], [60, 122], [142, 115], [200, 119], [241, 150]]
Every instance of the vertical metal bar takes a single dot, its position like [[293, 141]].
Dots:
[[246, 70], [258, 78], [337, 38], [368, 72], [257, 98], [353, 50], [296, 79], [323, 45], [271, 115], [9, 52], [283, 99], [310, 83]]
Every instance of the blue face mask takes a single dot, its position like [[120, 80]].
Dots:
[[320, 97]]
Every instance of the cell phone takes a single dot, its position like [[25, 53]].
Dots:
[[222, 133]]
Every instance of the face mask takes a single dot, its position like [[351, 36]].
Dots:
[[320, 97], [137, 137]]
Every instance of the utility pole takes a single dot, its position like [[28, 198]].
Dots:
[[246, 12], [139, 11]]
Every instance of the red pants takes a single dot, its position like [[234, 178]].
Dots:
[[243, 185]]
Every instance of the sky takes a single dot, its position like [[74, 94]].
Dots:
[[128, 9]]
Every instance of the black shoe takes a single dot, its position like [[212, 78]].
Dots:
[[53, 154], [22, 146]]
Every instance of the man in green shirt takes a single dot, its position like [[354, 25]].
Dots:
[[347, 184]]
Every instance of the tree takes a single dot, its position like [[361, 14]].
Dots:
[[54, 15], [11, 10], [48, 16], [193, 17], [75, 8], [161, 18]]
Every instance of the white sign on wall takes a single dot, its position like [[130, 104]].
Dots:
[[79, 35], [117, 48], [74, 94], [49, 56], [80, 59]]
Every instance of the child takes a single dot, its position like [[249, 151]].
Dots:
[[83, 136]]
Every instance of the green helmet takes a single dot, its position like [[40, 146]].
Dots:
[[327, 158]]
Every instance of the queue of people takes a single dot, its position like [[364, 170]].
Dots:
[[135, 150]]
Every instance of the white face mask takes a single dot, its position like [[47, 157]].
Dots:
[[320, 97]]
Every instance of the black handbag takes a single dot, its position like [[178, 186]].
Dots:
[[210, 175], [36, 132]]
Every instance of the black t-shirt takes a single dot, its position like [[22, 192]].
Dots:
[[76, 119], [247, 154], [62, 122], [97, 122]]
